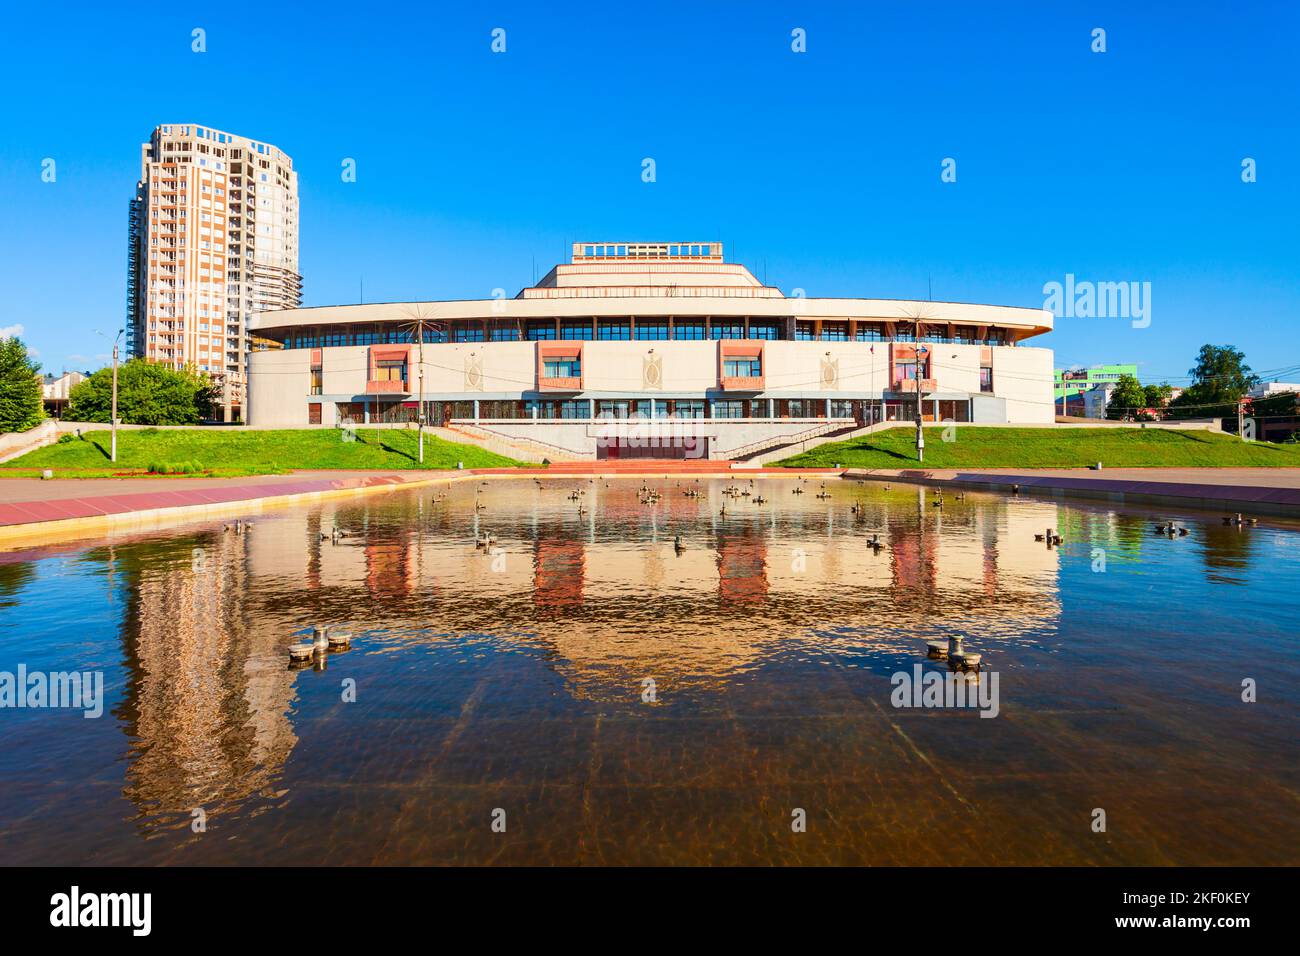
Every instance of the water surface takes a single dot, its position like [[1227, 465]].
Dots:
[[517, 681]]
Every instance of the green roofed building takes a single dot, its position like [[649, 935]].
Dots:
[[1070, 384]]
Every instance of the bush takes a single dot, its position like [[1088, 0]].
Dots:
[[65, 438], [177, 468]]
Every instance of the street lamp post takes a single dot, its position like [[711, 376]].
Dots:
[[420, 412], [113, 452], [112, 423], [920, 356]]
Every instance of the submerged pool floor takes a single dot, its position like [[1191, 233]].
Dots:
[[621, 680]]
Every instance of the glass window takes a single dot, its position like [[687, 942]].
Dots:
[[986, 378], [648, 329], [467, 333], [540, 329], [742, 367], [390, 370], [728, 409], [505, 333], [562, 368], [575, 330], [614, 330], [726, 329], [804, 331], [614, 408], [688, 409], [835, 331], [688, 329], [870, 333], [764, 330]]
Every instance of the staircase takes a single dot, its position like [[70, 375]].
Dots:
[[777, 446], [787, 445], [522, 449]]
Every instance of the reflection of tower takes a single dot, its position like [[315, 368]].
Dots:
[[205, 708], [989, 550], [742, 568], [389, 568], [559, 567], [913, 557]]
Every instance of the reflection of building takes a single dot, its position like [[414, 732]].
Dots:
[[630, 334], [610, 601], [208, 701], [742, 567]]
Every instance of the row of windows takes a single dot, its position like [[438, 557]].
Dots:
[[864, 410], [649, 330]]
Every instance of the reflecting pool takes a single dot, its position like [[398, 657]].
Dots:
[[584, 690]]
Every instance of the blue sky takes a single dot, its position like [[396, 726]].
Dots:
[[819, 170]]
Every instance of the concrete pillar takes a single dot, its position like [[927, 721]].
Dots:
[[828, 408], [591, 408], [476, 411]]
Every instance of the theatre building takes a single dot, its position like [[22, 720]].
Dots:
[[650, 350]]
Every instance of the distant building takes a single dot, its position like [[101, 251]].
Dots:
[[1265, 389], [213, 238], [1070, 384], [56, 390], [1096, 399]]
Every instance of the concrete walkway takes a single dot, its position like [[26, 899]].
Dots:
[[1249, 490]]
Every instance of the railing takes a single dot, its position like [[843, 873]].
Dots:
[[387, 387], [478, 431], [909, 384], [772, 441], [559, 383], [741, 383]]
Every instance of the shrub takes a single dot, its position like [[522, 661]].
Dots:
[[65, 438]]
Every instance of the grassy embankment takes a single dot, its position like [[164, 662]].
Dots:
[[229, 453], [975, 447]]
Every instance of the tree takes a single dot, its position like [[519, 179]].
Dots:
[[1219, 379], [22, 397], [1127, 397], [147, 394], [1157, 396]]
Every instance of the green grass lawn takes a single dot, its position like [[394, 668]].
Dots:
[[975, 447], [230, 452]]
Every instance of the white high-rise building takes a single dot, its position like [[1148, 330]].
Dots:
[[213, 239]]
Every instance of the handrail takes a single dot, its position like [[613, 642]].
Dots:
[[773, 440]]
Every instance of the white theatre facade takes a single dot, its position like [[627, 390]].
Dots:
[[651, 350]]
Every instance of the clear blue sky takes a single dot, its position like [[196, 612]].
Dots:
[[820, 170]]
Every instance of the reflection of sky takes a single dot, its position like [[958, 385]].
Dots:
[[772, 612]]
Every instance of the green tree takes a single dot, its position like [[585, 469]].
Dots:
[[147, 394], [1157, 396], [22, 398], [1127, 396], [1219, 379]]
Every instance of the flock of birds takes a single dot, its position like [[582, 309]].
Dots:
[[647, 495]]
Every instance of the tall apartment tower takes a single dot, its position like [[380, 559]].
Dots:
[[213, 238]]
